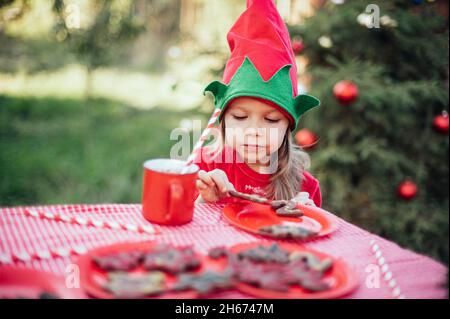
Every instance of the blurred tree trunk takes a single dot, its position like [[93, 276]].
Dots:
[[188, 14], [88, 83]]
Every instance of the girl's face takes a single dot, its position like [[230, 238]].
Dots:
[[254, 129]]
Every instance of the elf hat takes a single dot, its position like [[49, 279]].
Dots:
[[261, 64]]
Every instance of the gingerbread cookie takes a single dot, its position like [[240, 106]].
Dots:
[[290, 209], [282, 207], [312, 261], [275, 268], [251, 197], [287, 231], [266, 276], [205, 282], [171, 259], [265, 254], [124, 261], [125, 285]]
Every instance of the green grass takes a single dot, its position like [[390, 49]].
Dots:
[[70, 151]]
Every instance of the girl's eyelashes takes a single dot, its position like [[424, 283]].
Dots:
[[239, 117]]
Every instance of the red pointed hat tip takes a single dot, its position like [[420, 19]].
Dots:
[[251, 2], [261, 34]]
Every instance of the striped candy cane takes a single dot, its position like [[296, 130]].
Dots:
[[49, 253], [387, 274], [203, 137], [91, 222]]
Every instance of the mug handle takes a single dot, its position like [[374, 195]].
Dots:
[[175, 198]]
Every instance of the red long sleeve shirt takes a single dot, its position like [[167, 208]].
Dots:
[[245, 179]]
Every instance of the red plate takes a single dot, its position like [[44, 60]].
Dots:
[[28, 283], [341, 277], [92, 277], [252, 216]]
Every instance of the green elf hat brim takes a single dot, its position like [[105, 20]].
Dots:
[[278, 89]]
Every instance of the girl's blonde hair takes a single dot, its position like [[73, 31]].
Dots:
[[286, 182]]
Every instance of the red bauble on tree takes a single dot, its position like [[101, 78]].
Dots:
[[305, 138], [298, 46], [346, 92], [407, 190], [440, 123]]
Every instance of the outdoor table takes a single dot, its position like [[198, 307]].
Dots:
[[404, 274]]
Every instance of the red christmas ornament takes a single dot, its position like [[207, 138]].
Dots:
[[346, 92], [298, 46], [440, 122], [407, 190], [305, 138]]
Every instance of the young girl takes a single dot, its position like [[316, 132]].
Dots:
[[248, 172], [259, 110]]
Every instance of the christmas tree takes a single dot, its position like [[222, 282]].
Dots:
[[381, 135]]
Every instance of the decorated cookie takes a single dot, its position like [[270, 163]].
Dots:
[[124, 261], [126, 285], [274, 268], [289, 210], [287, 231], [205, 282], [264, 254], [171, 259]]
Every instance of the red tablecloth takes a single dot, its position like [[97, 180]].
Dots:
[[403, 273]]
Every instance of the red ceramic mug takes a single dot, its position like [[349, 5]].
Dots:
[[168, 191]]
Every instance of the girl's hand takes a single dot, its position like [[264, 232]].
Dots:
[[213, 185]]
